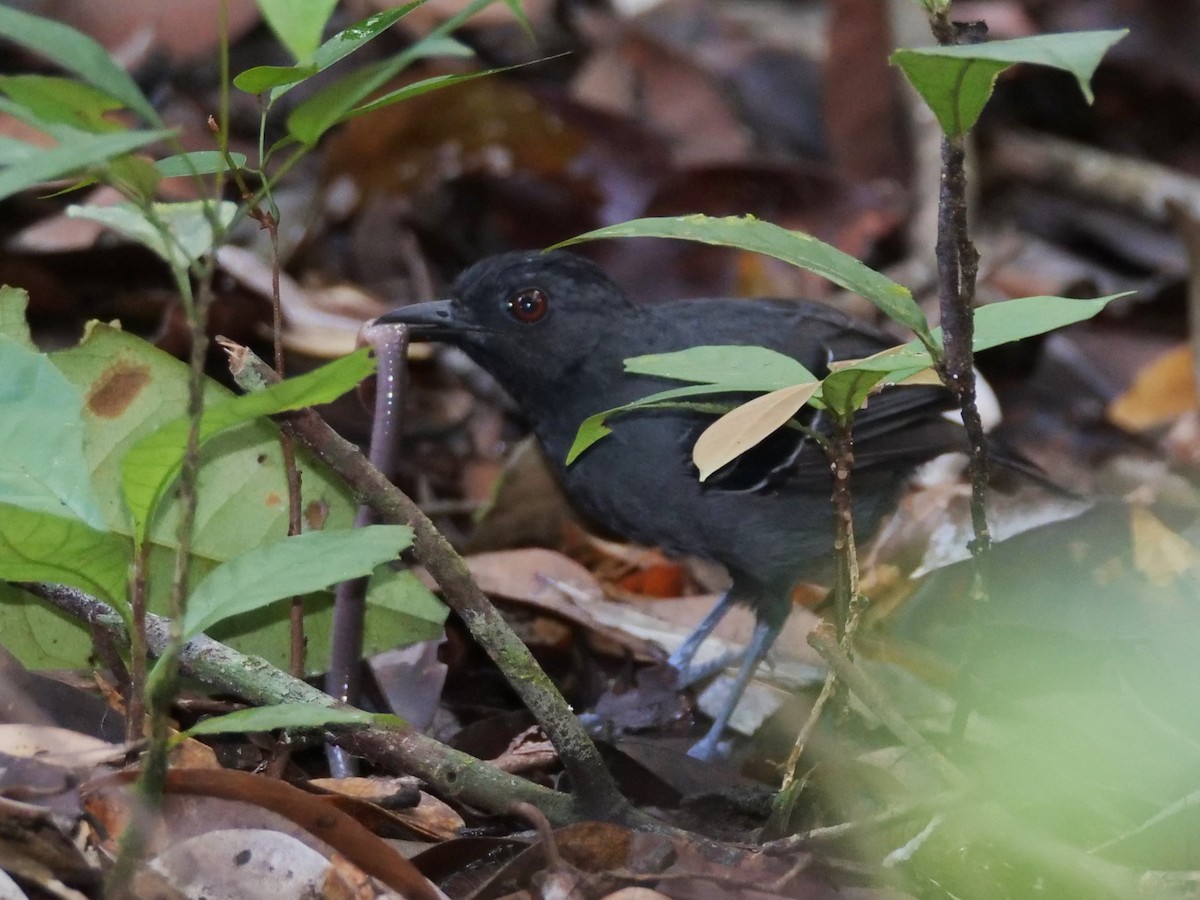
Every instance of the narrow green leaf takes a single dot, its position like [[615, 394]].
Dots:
[[292, 566], [198, 162], [424, 86], [153, 462], [957, 81], [63, 100], [1023, 317], [593, 428], [346, 42], [286, 715], [78, 53], [188, 229], [797, 248], [995, 324], [747, 426], [745, 368], [316, 115], [298, 23], [42, 463], [72, 158], [324, 109], [264, 78]]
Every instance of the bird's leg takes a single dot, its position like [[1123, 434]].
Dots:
[[764, 636], [682, 658]]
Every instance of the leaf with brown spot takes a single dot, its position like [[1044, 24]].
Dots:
[[117, 387]]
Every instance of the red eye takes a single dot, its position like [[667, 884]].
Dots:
[[529, 305]]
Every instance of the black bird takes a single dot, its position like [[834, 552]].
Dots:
[[554, 331]]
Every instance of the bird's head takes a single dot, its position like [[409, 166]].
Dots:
[[523, 315]]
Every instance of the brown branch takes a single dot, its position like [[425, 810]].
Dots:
[[594, 788]]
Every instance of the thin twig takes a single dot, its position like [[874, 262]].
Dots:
[[594, 787]]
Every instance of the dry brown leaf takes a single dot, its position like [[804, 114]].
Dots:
[[748, 425], [1160, 393]]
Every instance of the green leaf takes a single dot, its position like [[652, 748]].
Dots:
[[737, 367], [1023, 317], [593, 428], [263, 78], [286, 715], [316, 115], [797, 248], [13, 302], [748, 425], [13, 152], [198, 162], [63, 100], [298, 23], [424, 86], [72, 157], [38, 546], [153, 462], [844, 392], [134, 176], [189, 233], [42, 466], [78, 53], [293, 566], [957, 81], [332, 51], [130, 389]]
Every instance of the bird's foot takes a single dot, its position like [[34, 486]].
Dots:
[[691, 673]]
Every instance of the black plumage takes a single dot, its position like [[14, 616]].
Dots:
[[554, 331]]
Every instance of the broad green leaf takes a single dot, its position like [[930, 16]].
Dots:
[[42, 466], [13, 326], [957, 81], [293, 566], [38, 634], [286, 715], [153, 462], [298, 23], [38, 546], [189, 233], [130, 389], [748, 368], [199, 162], [748, 425], [63, 100], [76, 52], [795, 247], [72, 157]]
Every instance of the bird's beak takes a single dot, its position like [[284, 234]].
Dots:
[[426, 321]]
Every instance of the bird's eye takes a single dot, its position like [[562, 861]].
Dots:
[[529, 305]]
